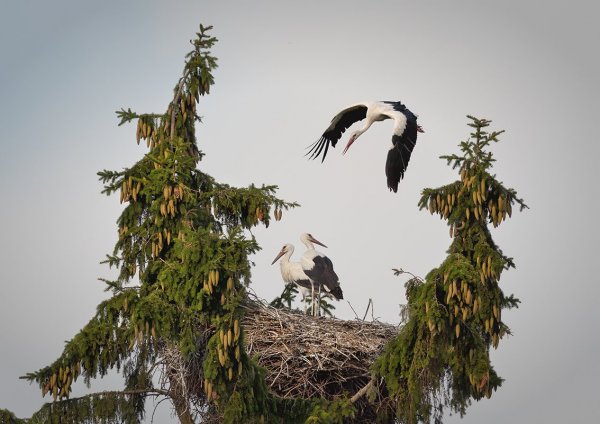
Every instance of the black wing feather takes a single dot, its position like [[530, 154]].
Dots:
[[323, 274], [340, 123], [304, 284], [399, 155]]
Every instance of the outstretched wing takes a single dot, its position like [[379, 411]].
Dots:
[[340, 123], [399, 153]]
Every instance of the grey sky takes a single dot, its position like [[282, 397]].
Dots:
[[285, 69]]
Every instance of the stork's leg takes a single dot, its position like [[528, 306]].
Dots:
[[319, 302], [312, 298], [305, 304], [304, 301]]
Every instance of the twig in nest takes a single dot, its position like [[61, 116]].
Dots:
[[361, 392], [369, 304], [304, 357]]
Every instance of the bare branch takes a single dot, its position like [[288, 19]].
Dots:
[[361, 392]]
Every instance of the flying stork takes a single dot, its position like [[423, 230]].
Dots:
[[292, 272], [319, 267], [404, 136]]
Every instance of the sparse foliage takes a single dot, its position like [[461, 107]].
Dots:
[[322, 304], [287, 296]]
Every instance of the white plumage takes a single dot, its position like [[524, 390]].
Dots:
[[292, 272], [319, 267], [404, 137]]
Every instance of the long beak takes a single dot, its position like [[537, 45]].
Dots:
[[348, 145], [315, 241], [278, 256]]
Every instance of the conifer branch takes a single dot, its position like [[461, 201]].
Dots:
[[182, 235], [175, 102], [131, 392], [441, 357]]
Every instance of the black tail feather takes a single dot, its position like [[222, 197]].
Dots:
[[337, 293]]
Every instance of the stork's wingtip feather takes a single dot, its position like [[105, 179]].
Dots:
[[312, 149]]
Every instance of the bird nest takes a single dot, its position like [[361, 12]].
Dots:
[[310, 357], [305, 357]]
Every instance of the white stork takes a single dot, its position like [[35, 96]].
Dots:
[[404, 136], [292, 272], [319, 267]]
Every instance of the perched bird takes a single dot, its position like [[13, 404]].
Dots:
[[319, 267], [404, 136], [292, 272]]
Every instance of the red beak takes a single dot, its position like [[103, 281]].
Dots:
[[278, 256], [315, 241], [348, 146]]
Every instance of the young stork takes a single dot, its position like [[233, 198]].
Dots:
[[292, 272], [319, 268], [404, 136]]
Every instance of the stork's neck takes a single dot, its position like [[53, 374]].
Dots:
[[286, 257], [367, 125], [308, 243]]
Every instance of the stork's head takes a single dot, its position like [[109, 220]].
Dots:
[[307, 237], [353, 138], [287, 248]]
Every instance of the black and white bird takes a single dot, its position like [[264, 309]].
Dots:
[[404, 137], [319, 267], [292, 272]]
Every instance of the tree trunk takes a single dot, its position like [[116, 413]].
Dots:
[[180, 401]]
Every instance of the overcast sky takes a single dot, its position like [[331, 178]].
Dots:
[[285, 69]]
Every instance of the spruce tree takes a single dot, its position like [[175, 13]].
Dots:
[[7, 417], [441, 357], [183, 269], [177, 304]]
